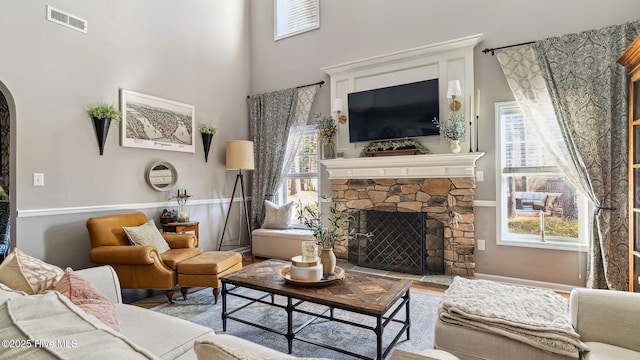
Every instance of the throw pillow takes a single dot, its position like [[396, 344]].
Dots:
[[213, 350], [277, 217], [82, 293], [147, 234], [22, 272]]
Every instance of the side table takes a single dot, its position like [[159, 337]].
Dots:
[[181, 227]]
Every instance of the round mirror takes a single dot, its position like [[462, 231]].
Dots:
[[161, 176]]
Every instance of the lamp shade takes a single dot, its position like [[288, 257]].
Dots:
[[337, 105], [454, 89], [240, 155]]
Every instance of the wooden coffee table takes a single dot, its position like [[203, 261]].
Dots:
[[373, 295]]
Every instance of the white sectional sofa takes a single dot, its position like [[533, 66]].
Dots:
[[74, 334], [606, 320]]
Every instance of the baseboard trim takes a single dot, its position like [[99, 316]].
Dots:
[[563, 288], [484, 203], [106, 208]]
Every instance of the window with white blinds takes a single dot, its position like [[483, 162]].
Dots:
[[523, 152], [537, 205], [294, 17]]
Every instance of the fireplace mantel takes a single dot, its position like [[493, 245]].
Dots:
[[406, 166]]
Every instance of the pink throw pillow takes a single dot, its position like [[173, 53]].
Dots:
[[83, 294]]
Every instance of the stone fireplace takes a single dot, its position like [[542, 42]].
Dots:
[[440, 186]]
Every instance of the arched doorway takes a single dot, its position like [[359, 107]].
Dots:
[[7, 167]]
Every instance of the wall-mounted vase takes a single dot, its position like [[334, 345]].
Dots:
[[102, 129]]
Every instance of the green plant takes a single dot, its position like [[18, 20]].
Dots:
[[207, 129], [454, 128], [395, 145], [173, 213], [326, 127], [104, 111], [339, 219]]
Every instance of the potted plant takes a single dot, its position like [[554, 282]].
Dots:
[[168, 216], [102, 114], [453, 130], [207, 132], [328, 237]]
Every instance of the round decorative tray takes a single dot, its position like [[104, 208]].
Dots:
[[337, 275]]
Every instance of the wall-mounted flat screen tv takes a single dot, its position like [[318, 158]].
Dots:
[[395, 112]]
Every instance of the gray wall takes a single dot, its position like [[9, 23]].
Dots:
[[195, 52], [356, 29]]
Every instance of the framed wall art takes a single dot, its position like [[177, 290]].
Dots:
[[154, 123]]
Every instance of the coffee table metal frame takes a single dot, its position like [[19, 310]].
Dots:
[[383, 318]]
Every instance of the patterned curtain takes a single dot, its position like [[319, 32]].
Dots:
[[306, 95], [572, 85], [589, 92], [272, 115]]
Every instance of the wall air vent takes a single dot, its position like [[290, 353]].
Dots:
[[66, 19]]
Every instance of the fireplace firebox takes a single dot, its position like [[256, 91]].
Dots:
[[406, 242]]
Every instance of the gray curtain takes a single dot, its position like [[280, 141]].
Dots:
[[589, 92], [273, 118]]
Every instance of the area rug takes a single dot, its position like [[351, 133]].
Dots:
[[199, 308]]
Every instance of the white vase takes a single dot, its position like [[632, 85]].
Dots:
[[454, 146], [328, 258]]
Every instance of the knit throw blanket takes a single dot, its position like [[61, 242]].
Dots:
[[534, 316]]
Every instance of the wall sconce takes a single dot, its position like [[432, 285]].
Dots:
[[452, 92], [337, 107]]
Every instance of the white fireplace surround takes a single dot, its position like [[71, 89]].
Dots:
[[448, 60], [405, 166]]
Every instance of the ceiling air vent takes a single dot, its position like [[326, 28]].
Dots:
[[66, 19]]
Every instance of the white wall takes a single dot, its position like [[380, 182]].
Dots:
[[356, 29], [195, 52]]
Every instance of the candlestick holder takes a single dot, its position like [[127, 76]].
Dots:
[[182, 198]]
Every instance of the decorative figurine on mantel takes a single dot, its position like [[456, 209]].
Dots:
[[182, 198]]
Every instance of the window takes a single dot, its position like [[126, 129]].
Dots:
[[294, 17], [301, 183], [537, 205]]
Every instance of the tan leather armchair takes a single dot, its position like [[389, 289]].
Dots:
[[138, 267]]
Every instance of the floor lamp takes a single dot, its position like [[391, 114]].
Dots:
[[239, 157]]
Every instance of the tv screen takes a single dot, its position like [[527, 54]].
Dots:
[[394, 112]]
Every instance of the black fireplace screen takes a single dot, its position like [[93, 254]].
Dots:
[[397, 244]]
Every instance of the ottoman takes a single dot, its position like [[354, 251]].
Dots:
[[205, 270]]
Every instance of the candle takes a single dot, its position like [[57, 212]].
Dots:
[[477, 117], [470, 125], [309, 250]]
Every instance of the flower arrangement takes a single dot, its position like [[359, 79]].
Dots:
[[326, 127], [104, 111], [207, 129], [339, 219], [395, 145], [454, 128]]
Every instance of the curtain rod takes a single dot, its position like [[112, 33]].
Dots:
[[319, 83], [492, 50]]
